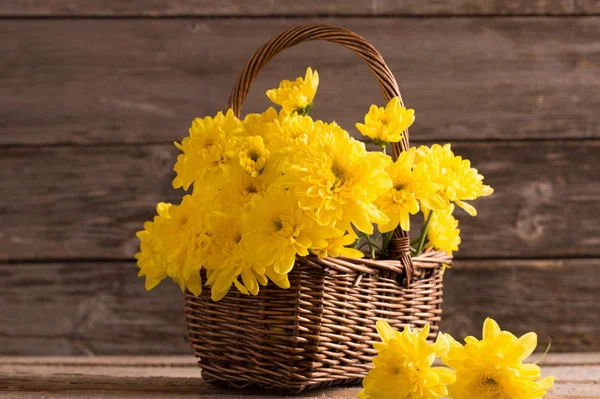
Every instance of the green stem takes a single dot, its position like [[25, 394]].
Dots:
[[357, 242], [372, 246], [424, 233], [362, 245], [304, 111], [384, 149], [385, 242], [545, 353]]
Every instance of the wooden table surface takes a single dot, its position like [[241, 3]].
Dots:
[[578, 376]]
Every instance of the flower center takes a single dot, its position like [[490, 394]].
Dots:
[[400, 196], [339, 173], [254, 155], [490, 384], [277, 224], [251, 189], [237, 237]]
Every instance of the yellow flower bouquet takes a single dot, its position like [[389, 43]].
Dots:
[[292, 239]]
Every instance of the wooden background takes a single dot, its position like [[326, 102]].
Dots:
[[93, 93]]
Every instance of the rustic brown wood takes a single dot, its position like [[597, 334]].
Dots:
[[519, 294], [189, 362], [100, 81], [155, 8], [87, 202], [155, 377], [88, 309], [587, 6], [97, 308]]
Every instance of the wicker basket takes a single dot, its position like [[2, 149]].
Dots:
[[320, 331]]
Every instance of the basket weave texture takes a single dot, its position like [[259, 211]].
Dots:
[[320, 331]]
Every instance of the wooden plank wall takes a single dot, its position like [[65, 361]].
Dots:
[[92, 95]]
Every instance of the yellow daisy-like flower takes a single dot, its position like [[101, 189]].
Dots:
[[227, 260], [493, 367], [254, 155], [292, 134], [209, 149], [387, 125], [175, 245], [339, 181], [402, 368], [339, 247], [258, 124], [443, 233], [151, 259], [186, 242], [459, 181], [297, 95], [276, 230], [411, 182], [242, 187]]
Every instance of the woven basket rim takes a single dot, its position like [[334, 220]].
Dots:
[[430, 259]]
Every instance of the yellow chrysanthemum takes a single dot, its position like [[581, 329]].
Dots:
[[386, 125], [339, 247], [258, 124], [254, 155], [411, 182], [297, 95], [276, 230], [493, 367], [186, 243], [292, 134], [242, 187], [177, 247], [338, 181], [209, 149], [402, 368], [151, 259], [443, 233], [459, 181], [227, 260]]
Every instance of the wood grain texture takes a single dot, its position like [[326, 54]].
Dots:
[[141, 80], [519, 294], [156, 8], [587, 6], [67, 376], [88, 309], [88, 202], [183, 362], [98, 308]]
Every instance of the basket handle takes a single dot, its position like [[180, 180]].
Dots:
[[348, 39], [307, 33]]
